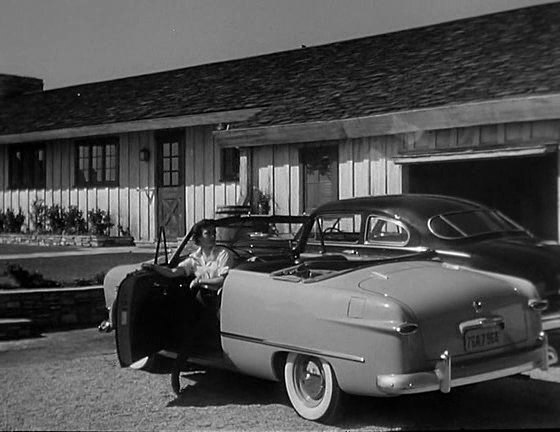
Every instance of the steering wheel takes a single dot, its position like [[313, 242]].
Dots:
[[332, 230]]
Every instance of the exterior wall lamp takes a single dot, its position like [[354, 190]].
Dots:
[[144, 155]]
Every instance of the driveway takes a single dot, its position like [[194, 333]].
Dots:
[[72, 381]]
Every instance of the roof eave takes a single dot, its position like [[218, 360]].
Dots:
[[132, 126], [508, 110]]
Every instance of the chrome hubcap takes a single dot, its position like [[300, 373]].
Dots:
[[310, 380]]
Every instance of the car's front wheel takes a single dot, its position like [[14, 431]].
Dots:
[[312, 387]]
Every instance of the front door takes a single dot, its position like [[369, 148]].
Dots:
[[320, 176], [171, 187]]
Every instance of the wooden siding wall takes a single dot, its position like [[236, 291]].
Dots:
[[131, 204], [365, 168], [205, 192], [276, 171], [510, 134], [366, 165]]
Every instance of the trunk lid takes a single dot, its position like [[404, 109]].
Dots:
[[457, 309]]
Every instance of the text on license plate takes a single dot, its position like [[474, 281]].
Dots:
[[484, 338]]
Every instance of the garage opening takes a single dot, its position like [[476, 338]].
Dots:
[[524, 188]]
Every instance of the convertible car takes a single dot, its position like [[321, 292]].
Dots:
[[328, 323]]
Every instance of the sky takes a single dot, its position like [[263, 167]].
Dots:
[[67, 42]]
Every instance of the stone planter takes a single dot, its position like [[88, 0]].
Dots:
[[66, 240]]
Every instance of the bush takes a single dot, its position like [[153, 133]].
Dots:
[[99, 222], [56, 216], [11, 222], [39, 216], [74, 222], [26, 279]]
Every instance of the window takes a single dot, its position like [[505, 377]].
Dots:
[[386, 232], [170, 164], [27, 167], [452, 226], [230, 164], [97, 162], [337, 228]]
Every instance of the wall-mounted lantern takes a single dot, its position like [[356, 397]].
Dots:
[[144, 155]]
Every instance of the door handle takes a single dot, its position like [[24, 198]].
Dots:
[[350, 252]]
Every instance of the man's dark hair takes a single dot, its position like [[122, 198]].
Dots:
[[201, 226]]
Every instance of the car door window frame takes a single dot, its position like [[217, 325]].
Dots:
[[374, 217], [331, 242]]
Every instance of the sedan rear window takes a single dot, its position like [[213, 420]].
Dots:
[[458, 225]]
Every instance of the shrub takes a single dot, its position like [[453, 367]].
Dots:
[[56, 216], [99, 221], [26, 279], [74, 222], [13, 222], [39, 216]]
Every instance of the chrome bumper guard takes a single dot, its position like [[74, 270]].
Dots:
[[442, 378]]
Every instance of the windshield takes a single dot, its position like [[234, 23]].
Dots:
[[248, 233], [459, 225]]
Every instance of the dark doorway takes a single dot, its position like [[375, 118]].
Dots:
[[523, 188], [170, 181]]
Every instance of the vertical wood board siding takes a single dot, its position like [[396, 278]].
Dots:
[[365, 168]]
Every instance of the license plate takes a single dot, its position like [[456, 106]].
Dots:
[[482, 339]]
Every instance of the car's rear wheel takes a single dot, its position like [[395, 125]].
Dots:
[[312, 387]]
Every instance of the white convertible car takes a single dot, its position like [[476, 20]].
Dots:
[[327, 323]]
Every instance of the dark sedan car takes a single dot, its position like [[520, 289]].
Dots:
[[460, 231]]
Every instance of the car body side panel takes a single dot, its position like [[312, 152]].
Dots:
[[262, 316]]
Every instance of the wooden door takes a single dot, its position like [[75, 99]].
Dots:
[[171, 185], [320, 176]]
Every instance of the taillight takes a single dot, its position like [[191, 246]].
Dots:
[[407, 328], [538, 305]]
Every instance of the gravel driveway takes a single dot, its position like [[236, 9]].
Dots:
[[72, 381]]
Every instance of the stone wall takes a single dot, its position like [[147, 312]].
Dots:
[[52, 309], [66, 240]]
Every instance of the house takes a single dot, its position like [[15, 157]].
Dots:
[[469, 108]]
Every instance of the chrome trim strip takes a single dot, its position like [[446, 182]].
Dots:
[[453, 253], [320, 353], [483, 322]]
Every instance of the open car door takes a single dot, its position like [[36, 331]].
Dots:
[[142, 317]]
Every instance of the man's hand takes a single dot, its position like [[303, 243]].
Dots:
[[195, 282]]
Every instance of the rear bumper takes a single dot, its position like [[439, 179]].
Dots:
[[443, 377], [551, 321]]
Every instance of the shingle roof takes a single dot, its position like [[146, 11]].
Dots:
[[511, 53]]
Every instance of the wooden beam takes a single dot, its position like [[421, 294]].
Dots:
[[133, 126], [533, 108], [470, 154]]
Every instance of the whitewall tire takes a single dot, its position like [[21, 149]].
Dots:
[[312, 387]]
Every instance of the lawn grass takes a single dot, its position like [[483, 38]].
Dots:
[[69, 269]]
